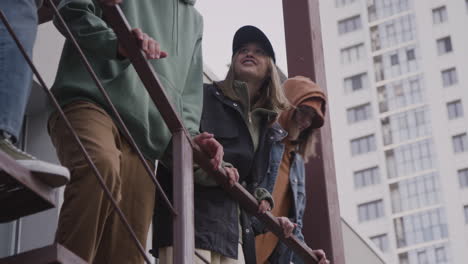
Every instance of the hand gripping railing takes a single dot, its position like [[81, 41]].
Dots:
[[183, 178]]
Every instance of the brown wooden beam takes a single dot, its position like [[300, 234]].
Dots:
[[322, 221]]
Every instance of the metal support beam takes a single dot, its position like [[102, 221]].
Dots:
[[322, 221], [184, 231]]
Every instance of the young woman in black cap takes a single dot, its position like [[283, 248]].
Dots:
[[241, 112]]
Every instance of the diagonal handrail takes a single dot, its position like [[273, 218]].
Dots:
[[118, 22], [75, 136]]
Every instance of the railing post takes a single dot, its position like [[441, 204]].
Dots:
[[322, 221], [183, 233]]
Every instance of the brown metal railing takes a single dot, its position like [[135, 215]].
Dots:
[[182, 144]]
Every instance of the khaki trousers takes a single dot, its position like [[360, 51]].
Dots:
[[165, 256], [88, 224]]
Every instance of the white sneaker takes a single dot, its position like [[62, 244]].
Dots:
[[49, 173]]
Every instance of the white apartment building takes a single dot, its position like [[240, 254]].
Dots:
[[397, 78]]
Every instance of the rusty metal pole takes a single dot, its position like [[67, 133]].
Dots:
[[183, 230], [322, 221]]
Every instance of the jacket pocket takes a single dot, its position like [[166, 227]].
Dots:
[[219, 128]]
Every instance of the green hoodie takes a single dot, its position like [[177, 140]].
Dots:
[[176, 25]]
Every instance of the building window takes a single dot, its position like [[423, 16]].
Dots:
[[349, 25], [405, 126], [455, 109], [352, 54], [410, 54], [440, 255], [394, 59], [422, 257], [439, 15], [395, 63], [420, 227], [465, 209], [460, 143], [381, 241], [410, 158], [366, 177], [370, 211], [444, 45], [463, 178], [436, 254], [403, 258], [363, 145], [393, 32], [378, 9], [359, 113], [341, 3], [356, 82], [400, 94], [449, 77], [414, 193]]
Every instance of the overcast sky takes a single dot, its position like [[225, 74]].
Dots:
[[223, 17]]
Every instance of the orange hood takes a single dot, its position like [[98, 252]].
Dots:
[[302, 91]]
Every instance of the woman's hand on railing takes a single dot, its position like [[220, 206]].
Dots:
[[287, 225], [320, 254], [111, 2], [233, 175], [150, 46], [211, 147]]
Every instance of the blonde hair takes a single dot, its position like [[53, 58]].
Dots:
[[272, 95]]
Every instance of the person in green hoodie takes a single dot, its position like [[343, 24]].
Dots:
[[88, 224]]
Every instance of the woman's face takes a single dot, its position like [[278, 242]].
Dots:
[[303, 117], [251, 63]]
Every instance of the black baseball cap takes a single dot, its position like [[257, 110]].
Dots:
[[249, 34]]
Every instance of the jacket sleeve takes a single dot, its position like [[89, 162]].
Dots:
[[261, 194], [192, 96], [92, 33], [202, 178]]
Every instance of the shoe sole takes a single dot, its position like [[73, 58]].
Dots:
[[50, 174]]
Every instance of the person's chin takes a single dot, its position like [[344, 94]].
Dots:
[[247, 74]]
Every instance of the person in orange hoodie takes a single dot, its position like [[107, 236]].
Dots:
[[286, 179]]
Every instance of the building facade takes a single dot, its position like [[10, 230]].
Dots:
[[397, 80]]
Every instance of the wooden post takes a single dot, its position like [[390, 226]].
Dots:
[[322, 221], [184, 232]]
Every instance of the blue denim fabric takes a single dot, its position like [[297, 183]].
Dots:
[[282, 254], [15, 74]]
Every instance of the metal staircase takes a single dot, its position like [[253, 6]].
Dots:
[[20, 193]]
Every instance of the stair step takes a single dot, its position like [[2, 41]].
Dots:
[[53, 254], [20, 193]]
